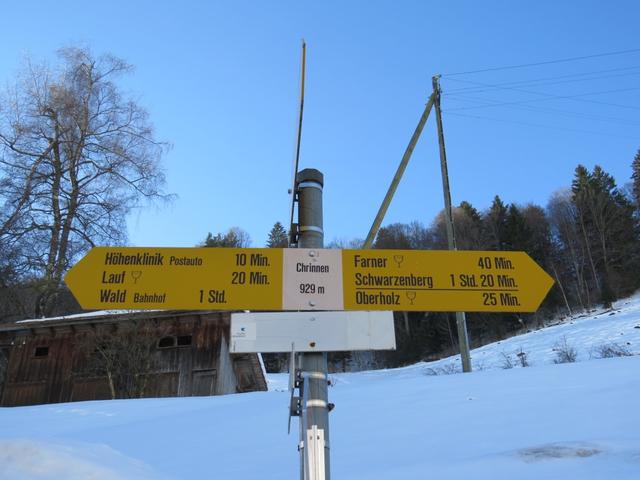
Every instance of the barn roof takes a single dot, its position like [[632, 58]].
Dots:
[[99, 316]]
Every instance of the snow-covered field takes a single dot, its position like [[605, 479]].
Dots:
[[567, 421]]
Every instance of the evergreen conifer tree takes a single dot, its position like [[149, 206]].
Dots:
[[609, 230], [635, 175], [234, 238], [516, 232], [278, 237], [539, 244], [470, 211], [494, 225]]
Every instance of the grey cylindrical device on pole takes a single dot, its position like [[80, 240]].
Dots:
[[309, 184]]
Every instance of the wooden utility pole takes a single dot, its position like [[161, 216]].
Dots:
[[373, 231], [461, 321]]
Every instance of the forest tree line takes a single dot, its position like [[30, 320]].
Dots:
[[587, 238]]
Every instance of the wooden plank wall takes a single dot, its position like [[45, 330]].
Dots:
[[203, 367]]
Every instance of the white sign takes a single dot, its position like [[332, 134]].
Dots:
[[313, 279], [311, 331]]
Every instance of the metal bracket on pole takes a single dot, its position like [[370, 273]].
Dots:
[[304, 421], [293, 235], [294, 382], [295, 406], [316, 445], [292, 367]]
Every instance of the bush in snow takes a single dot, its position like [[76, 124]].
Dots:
[[508, 362], [565, 353], [478, 366], [522, 358], [446, 369], [610, 350]]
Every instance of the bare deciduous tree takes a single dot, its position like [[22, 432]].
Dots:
[[125, 356], [563, 218], [467, 226], [76, 156]]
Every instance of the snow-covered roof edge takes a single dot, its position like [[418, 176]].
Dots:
[[99, 315]]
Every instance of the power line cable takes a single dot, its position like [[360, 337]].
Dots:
[[532, 108], [548, 127], [549, 96], [548, 62], [544, 81]]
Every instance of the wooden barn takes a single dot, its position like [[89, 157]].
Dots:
[[104, 355]]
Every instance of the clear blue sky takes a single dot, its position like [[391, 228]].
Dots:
[[220, 80]]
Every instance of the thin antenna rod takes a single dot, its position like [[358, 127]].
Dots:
[[299, 136]]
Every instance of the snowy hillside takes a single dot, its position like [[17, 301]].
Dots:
[[589, 336], [565, 421]]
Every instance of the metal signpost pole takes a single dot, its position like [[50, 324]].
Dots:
[[461, 321], [314, 365]]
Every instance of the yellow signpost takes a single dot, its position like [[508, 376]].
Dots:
[[178, 278], [435, 280], [307, 279]]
